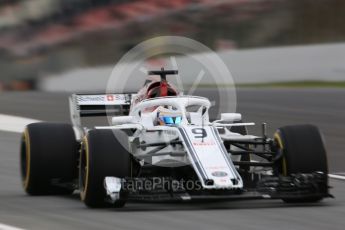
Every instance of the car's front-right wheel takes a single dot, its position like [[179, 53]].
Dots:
[[102, 155]]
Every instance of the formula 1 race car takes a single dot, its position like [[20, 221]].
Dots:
[[161, 145]]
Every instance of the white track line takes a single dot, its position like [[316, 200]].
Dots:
[[333, 176], [15, 124], [9, 227]]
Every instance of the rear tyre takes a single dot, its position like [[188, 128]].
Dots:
[[304, 152], [48, 159], [102, 155]]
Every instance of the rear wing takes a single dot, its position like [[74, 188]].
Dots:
[[92, 105]]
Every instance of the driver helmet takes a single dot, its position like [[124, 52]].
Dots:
[[167, 116]]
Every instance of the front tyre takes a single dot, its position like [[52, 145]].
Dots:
[[303, 152], [102, 156]]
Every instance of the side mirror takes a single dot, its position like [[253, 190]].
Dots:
[[230, 117], [123, 120]]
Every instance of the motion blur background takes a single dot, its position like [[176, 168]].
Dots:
[[293, 49], [56, 44]]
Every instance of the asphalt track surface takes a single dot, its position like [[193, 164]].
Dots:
[[277, 107]]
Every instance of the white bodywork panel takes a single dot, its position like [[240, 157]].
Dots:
[[209, 157], [112, 187]]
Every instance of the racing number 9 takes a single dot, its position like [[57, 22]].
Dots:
[[199, 133]]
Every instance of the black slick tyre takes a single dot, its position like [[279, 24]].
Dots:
[[303, 152], [48, 159], [102, 155]]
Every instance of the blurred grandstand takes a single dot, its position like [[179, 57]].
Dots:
[[39, 37]]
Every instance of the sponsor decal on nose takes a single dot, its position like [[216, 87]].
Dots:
[[219, 174]]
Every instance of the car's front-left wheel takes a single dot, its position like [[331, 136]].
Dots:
[[303, 153]]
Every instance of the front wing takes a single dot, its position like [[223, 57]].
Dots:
[[298, 186]]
